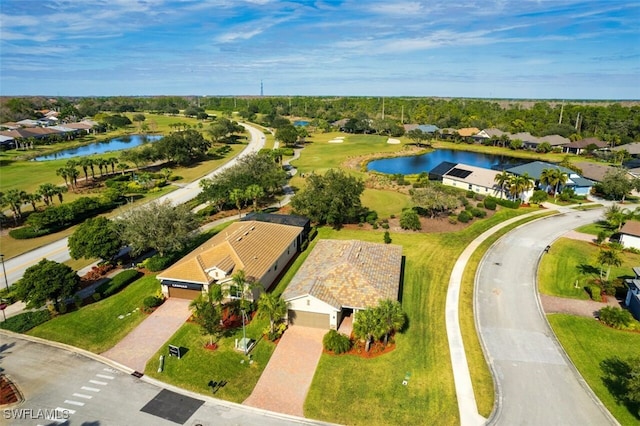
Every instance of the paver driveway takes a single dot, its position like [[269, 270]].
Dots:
[[144, 341], [285, 381]]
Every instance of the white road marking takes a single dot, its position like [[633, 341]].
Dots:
[[81, 395], [104, 376], [97, 382], [87, 388], [79, 404]]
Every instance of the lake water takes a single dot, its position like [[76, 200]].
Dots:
[[416, 164], [116, 144]]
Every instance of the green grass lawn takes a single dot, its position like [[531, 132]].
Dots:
[[422, 350], [96, 327], [384, 202], [200, 365], [569, 261], [589, 343], [595, 228]]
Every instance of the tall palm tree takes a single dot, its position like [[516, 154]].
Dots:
[[84, 163], [547, 177], [392, 317], [368, 327], [64, 173], [102, 164], [33, 199], [112, 161], [253, 192], [237, 196], [609, 258], [15, 198], [271, 307], [560, 178], [47, 191], [502, 179], [73, 174], [123, 167]]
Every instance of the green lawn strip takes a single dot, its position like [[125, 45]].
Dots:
[[96, 327], [595, 228], [385, 202], [588, 343], [508, 152], [422, 350], [480, 373], [200, 365], [570, 261]]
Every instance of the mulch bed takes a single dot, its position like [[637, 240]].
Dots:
[[9, 394], [375, 350]]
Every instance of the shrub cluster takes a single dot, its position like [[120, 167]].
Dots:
[[336, 342], [157, 263], [504, 203], [151, 302], [490, 203], [117, 283], [26, 321]]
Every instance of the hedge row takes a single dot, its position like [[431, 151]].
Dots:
[[26, 321], [112, 285]]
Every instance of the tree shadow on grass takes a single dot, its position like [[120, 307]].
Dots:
[[616, 375], [587, 269]]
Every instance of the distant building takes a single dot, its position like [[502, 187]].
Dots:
[[632, 301]]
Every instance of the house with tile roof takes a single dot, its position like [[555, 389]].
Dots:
[[340, 278], [578, 147], [262, 250], [630, 234]]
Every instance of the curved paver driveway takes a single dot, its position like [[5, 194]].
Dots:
[[536, 384]]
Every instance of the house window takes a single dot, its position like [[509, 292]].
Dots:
[[470, 186], [235, 291], [275, 267]]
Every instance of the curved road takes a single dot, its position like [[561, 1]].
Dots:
[[58, 250], [535, 382]]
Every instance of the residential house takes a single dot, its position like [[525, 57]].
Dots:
[[594, 171], [578, 147], [579, 184], [471, 178], [632, 300], [283, 219], [262, 250], [340, 278], [630, 234]]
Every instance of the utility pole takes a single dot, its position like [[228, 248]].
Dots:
[[561, 111], [6, 281], [383, 108]]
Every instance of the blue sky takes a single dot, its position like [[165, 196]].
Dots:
[[561, 49]]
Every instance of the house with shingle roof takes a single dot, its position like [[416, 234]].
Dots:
[[262, 250], [578, 147], [340, 278], [630, 234], [579, 184], [469, 178]]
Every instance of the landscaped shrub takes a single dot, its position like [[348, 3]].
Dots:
[[312, 233], [539, 197], [117, 283], [304, 246], [464, 216], [453, 220], [478, 213], [26, 321], [479, 197], [27, 232], [371, 217], [157, 263], [471, 194], [387, 238], [336, 342], [490, 203], [385, 225], [505, 203], [409, 219], [615, 317], [480, 205], [594, 291], [151, 302]]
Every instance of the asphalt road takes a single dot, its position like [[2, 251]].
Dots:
[[58, 250], [535, 382], [61, 385]]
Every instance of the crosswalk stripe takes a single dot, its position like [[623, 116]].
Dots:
[[87, 388], [81, 395], [97, 382], [70, 411], [78, 403], [104, 376]]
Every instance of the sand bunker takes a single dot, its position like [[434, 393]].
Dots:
[[393, 141], [338, 139]]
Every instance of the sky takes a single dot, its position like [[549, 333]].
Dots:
[[542, 49]]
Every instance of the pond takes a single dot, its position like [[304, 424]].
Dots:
[[123, 142], [416, 164]]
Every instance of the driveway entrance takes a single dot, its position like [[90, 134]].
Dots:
[[285, 381], [144, 341]]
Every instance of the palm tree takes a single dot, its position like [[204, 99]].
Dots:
[[85, 164], [610, 258], [615, 216], [271, 307], [368, 326], [73, 174], [102, 164], [15, 198], [123, 167], [237, 196], [112, 161], [502, 179], [64, 172], [560, 179], [47, 191], [59, 191], [243, 288], [253, 192], [392, 317], [33, 199], [547, 178]]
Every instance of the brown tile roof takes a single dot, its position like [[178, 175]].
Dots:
[[349, 273], [251, 246], [631, 227], [468, 131], [632, 148], [583, 143], [594, 171]]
